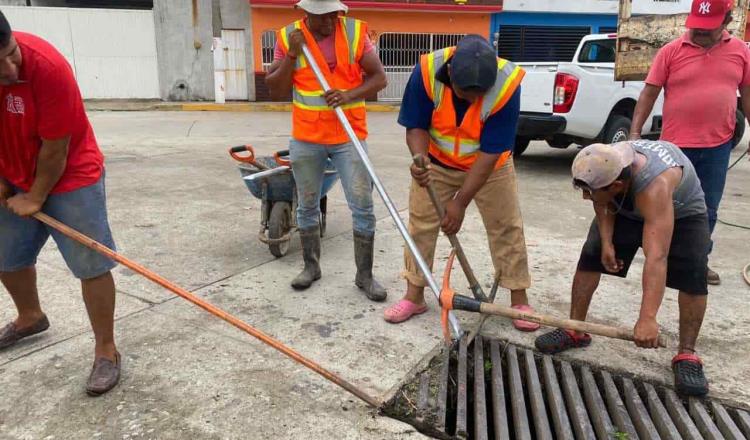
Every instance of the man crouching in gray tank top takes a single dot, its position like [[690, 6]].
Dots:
[[646, 195]]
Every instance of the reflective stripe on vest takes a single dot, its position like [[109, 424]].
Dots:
[[314, 99], [353, 36], [285, 32], [447, 144]]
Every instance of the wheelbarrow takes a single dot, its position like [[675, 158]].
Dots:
[[270, 179]]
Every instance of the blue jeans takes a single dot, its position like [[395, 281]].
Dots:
[[711, 166], [309, 163], [85, 210]]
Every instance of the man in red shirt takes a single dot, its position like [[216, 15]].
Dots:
[[50, 162], [700, 73]]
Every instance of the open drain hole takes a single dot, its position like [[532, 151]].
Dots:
[[495, 390]]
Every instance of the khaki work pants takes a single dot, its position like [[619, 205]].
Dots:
[[497, 202]]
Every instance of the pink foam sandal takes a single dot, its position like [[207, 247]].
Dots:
[[521, 325], [403, 310]]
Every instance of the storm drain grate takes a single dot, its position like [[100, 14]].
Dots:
[[494, 390]]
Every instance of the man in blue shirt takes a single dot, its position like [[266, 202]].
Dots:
[[463, 117]]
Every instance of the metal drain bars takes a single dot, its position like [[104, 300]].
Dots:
[[495, 390]]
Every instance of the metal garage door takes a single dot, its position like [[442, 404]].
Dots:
[[539, 43]]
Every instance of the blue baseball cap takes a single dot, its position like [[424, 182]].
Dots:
[[474, 64]]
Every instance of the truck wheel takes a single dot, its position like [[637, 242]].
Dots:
[[520, 146], [618, 129], [739, 129]]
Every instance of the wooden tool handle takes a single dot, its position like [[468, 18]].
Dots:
[[570, 324], [421, 161]]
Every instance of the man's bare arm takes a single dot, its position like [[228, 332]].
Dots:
[[643, 108]]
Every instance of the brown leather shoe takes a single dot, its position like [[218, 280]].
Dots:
[[10, 334], [713, 278], [104, 376]]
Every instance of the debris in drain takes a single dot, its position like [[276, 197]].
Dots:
[[494, 390]]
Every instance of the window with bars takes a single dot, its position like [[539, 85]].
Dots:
[[404, 49], [267, 45], [540, 43], [608, 30], [400, 52]]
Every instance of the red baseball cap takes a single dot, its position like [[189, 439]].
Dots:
[[708, 14]]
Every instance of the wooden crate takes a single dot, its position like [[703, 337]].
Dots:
[[639, 37]]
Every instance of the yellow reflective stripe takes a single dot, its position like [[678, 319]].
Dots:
[[315, 93], [325, 108], [450, 139], [511, 79], [357, 36], [447, 144], [353, 34], [501, 62], [301, 61], [284, 39]]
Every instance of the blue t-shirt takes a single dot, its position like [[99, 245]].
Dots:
[[498, 134]]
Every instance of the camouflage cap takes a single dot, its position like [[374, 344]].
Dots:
[[598, 165]]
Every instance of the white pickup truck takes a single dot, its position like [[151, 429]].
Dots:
[[580, 102]]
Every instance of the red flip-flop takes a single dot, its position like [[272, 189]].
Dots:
[[521, 325]]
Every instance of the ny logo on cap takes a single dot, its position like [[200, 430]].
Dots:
[[704, 8]]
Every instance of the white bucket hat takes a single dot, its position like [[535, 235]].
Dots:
[[321, 7]]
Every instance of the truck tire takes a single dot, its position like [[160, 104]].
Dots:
[[739, 129], [520, 146], [617, 130]]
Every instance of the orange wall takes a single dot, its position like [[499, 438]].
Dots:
[[378, 22]]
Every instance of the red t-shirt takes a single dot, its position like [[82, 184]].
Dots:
[[46, 104], [700, 89]]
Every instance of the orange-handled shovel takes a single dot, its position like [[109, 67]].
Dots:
[[266, 339]]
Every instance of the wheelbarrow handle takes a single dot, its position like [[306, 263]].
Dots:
[[249, 159], [280, 156]]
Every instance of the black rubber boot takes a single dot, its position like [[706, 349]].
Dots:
[[364, 250], [311, 255]]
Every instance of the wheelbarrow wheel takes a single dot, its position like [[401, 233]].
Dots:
[[279, 224], [323, 212]]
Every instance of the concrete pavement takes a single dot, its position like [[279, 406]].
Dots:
[[178, 206]]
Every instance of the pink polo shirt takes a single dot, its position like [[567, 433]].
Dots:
[[700, 89]]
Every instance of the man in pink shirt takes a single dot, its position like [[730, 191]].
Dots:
[[700, 73]]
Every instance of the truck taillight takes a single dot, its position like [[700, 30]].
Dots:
[[566, 87]]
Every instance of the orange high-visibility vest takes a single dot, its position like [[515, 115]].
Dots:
[[458, 146], [312, 119]]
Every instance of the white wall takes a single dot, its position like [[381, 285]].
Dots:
[[661, 7], [597, 6], [112, 51], [566, 6]]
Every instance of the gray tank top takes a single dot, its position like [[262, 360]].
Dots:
[[688, 198]]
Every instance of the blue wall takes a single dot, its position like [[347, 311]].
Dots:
[[595, 21]]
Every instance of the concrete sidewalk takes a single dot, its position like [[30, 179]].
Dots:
[[178, 206]]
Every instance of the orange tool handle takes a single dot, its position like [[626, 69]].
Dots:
[[210, 308], [280, 158], [250, 158]]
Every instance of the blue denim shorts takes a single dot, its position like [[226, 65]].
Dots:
[[85, 210]]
